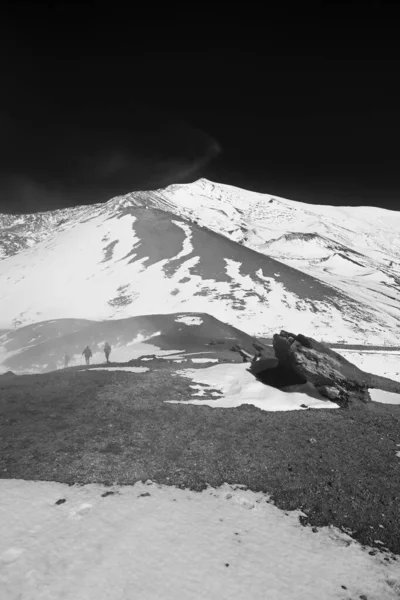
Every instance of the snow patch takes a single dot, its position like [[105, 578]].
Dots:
[[239, 387], [384, 397], [189, 320], [204, 360]]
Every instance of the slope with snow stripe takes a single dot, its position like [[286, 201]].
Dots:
[[285, 230], [139, 261], [352, 249], [239, 214], [226, 209]]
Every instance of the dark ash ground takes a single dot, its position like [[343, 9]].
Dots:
[[113, 427]]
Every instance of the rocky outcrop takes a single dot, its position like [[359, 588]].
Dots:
[[332, 375], [296, 360], [299, 360]]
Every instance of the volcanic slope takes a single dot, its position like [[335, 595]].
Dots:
[[116, 261], [355, 249], [40, 347]]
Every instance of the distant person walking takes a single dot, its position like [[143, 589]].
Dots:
[[66, 361], [87, 354], [107, 351]]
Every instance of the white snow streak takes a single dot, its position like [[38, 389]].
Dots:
[[187, 243], [128, 369]]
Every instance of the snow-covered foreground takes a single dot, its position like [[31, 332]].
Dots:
[[152, 542], [239, 387]]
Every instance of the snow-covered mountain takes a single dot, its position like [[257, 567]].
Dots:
[[256, 262]]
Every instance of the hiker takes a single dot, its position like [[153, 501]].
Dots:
[[66, 361], [88, 354], [107, 350]]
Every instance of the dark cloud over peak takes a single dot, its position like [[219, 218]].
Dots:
[[48, 164], [303, 104]]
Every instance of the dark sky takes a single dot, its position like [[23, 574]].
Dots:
[[98, 100]]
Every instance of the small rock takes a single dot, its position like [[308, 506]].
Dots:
[[61, 501], [227, 564], [312, 441], [107, 494], [144, 494]]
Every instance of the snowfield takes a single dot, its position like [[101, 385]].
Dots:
[[152, 541]]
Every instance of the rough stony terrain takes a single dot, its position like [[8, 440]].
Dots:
[[339, 466]]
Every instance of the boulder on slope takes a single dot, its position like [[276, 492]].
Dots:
[[330, 373], [302, 360]]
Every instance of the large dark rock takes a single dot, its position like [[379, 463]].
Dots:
[[297, 360], [332, 375]]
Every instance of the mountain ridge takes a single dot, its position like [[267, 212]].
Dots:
[[206, 253]]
